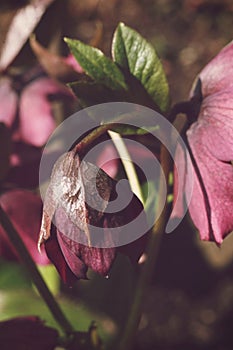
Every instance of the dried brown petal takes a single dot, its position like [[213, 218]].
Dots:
[[76, 187]]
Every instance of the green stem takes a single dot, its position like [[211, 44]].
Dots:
[[152, 247], [151, 257], [91, 137], [34, 273], [114, 125]]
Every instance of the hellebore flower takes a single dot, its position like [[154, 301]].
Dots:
[[71, 201], [27, 333], [24, 210], [211, 146], [28, 112]]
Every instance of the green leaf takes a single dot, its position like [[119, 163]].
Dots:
[[12, 276], [95, 64], [51, 278], [24, 302], [150, 194], [134, 54], [132, 130]]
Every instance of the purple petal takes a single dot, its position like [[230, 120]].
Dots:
[[98, 259], [212, 200], [8, 102], [36, 117], [24, 210], [69, 269], [218, 74], [211, 144], [216, 118]]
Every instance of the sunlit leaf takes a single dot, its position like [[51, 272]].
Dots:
[[132, 130], [51, 277], [134, 54], [95, 64]]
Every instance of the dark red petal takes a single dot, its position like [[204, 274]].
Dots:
[[27, 333], [24, 210], [78, 256], [98, 259], [69, 269]]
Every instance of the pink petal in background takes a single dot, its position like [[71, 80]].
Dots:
[[8, 102], [218, 73], [24, 209], [36, 117]]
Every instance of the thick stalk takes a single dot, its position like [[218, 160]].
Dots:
[[148, 267], [152, 249]]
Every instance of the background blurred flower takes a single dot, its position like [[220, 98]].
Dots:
[[28, 332], [25, 106], [24, 210], [211, 147]]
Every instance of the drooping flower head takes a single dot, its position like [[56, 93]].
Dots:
[[77, 201]]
